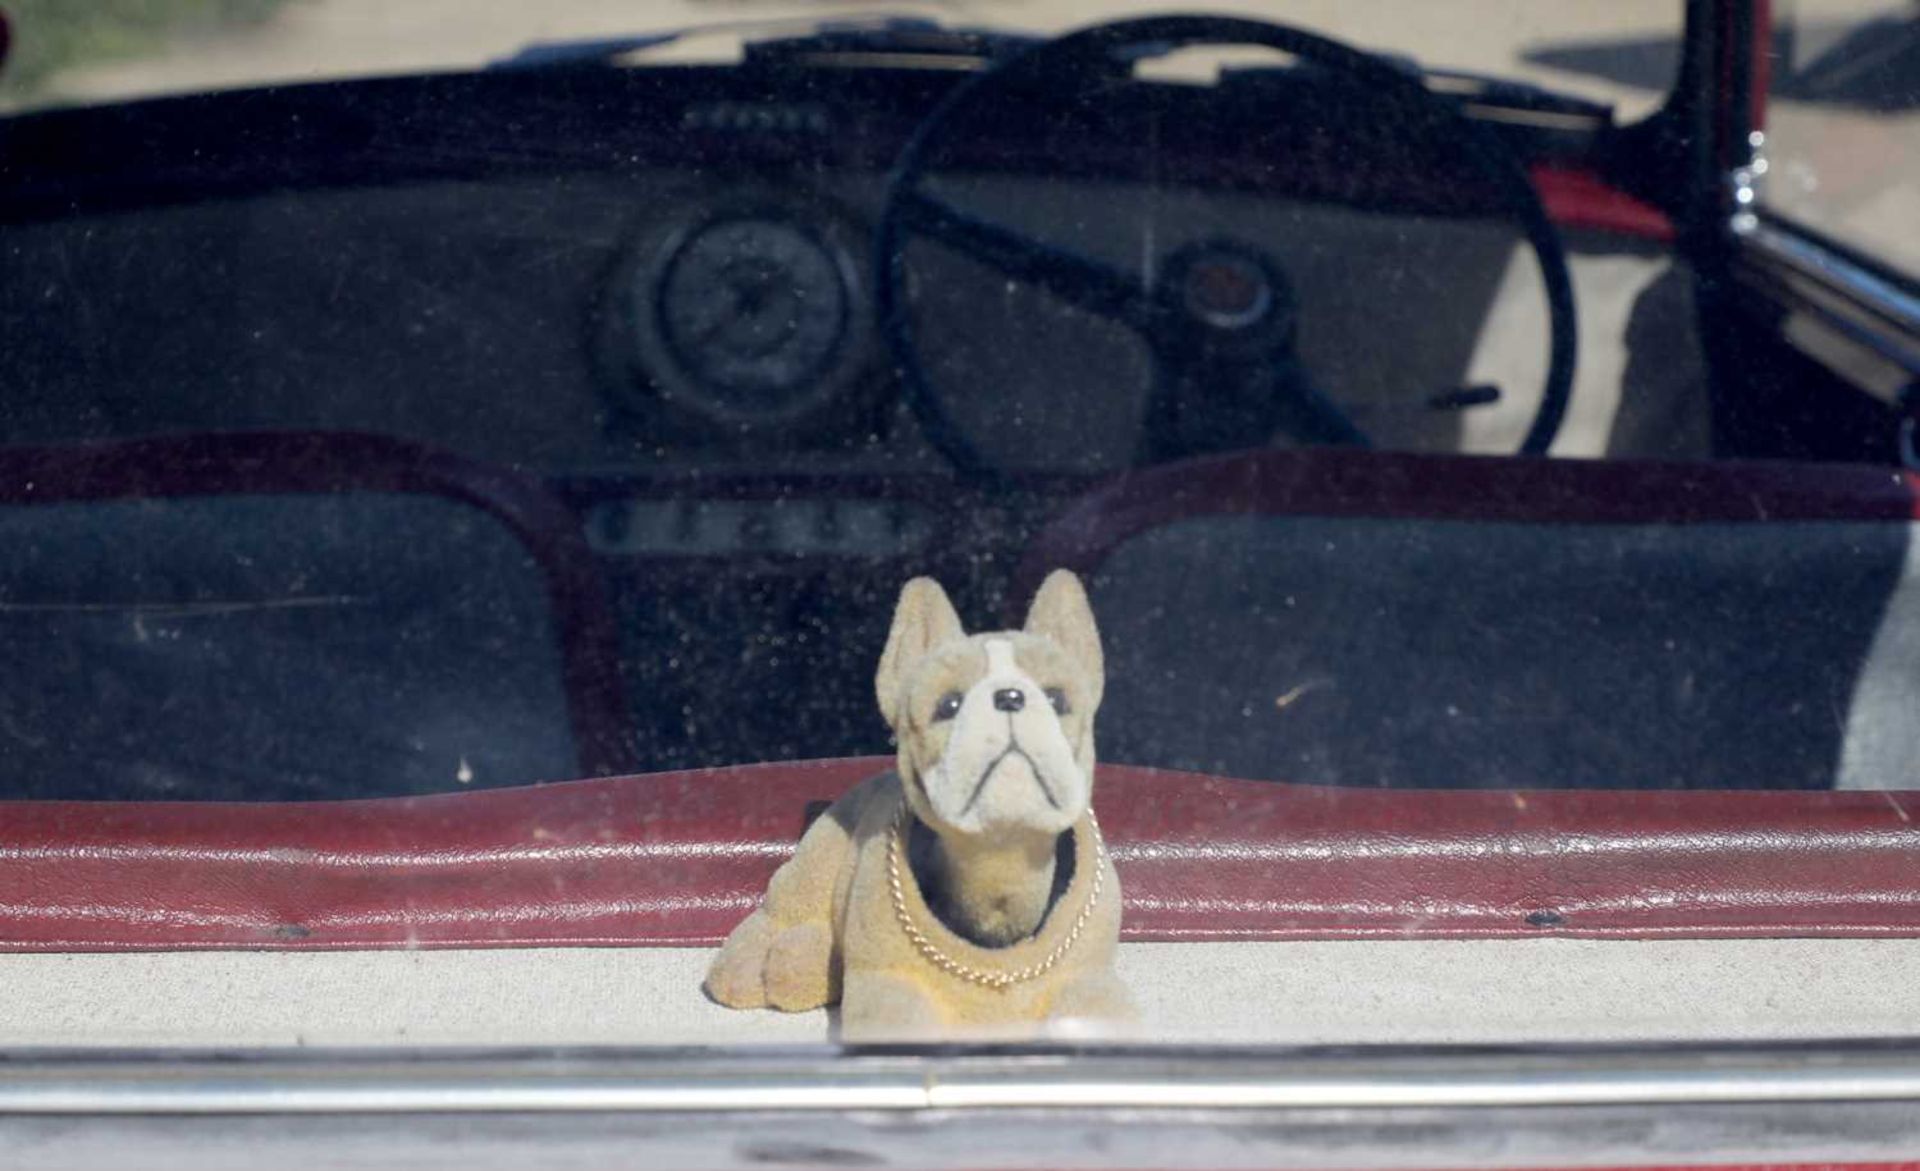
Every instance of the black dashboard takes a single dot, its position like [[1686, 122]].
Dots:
[[573, 268]]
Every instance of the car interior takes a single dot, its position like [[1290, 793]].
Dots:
[[650, 295]]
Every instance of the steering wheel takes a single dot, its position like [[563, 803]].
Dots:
[[1217, 322]]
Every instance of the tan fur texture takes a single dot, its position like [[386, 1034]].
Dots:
[[995, 780]]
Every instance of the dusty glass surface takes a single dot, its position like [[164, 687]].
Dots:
[[457, 484], [1843, 125], [1617, 52]]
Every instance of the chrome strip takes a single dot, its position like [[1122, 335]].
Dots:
[[1898, 307], [1547, 119], [271, 1086]]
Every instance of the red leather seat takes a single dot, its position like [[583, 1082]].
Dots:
[[676, 859]]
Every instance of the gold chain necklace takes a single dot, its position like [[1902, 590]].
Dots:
[[998, 981]]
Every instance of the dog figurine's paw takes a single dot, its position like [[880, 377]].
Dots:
[[764, 965], [770, 966], [1095, 1007], [800, 972], [737, 977]]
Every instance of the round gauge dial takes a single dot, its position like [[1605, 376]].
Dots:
[[754, 310]]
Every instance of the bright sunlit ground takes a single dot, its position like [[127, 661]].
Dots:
[[305, 39]]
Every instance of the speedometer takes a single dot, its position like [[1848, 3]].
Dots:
[[754, 309], [742, 317]]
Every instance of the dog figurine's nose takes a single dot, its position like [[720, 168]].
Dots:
[[1009, 699]]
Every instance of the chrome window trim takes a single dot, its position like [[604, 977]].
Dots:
[[814, 1081], [1869, 312]]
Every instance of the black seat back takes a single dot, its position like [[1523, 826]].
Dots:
[[283, 617], [1426, 621]]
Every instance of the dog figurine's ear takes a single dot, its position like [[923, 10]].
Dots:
[[922, 620], [1061, 612]]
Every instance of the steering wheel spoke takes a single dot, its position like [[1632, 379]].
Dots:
[[1206, 403], [1080, 281], [1309, 415]]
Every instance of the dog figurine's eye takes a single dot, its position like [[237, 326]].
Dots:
[[1058, 699], [948, 707]]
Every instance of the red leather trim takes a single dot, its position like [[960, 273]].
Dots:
[[1577, 198], [1332, 482], [679, 858], [332, 462]]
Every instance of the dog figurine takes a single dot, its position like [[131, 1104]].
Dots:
[[967, 892]]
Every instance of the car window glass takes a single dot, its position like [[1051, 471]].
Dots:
[[1624, 53], [1843, 124], [462, 528]]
